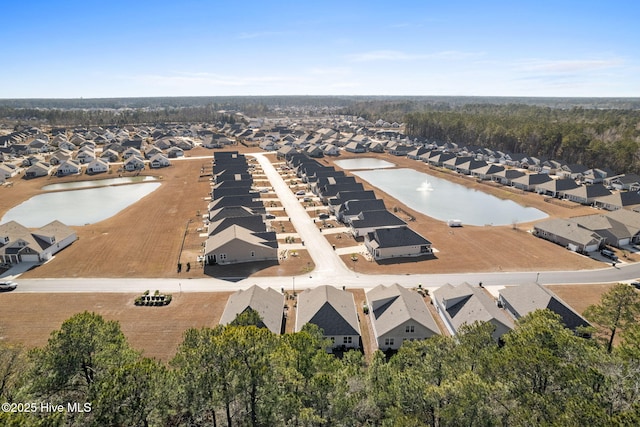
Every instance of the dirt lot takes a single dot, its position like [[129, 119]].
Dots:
[[156, 331], [472, 248]]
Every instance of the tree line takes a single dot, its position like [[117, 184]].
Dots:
[[595, 138], [241, 375]]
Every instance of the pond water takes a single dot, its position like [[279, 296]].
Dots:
[[444, 200], [77, 207], [98, 183], [364, 163]]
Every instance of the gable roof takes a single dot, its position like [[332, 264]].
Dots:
[[376, 218], [465, 304], [529, 297], [394, 305], [331, 309], [397, 237], [268, 303]]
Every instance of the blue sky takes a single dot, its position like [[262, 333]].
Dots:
[[72, 49]]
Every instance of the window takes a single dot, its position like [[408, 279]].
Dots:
[[388, 341], [222, 257], [253, 254], [409, 329], [347, 340]]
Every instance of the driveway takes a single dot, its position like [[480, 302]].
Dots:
[[328, 264]]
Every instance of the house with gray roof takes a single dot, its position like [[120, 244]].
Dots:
[[587, 194], [368, 221], [465, 304], [487, 172], [569, 234], [521, 300], [351, 208], [628, 181], [614, 232], [38, 170], [254, 223], [506, 176], [268, 303], [397, 242], [236, 244], [556, 187], [19, 244], [529, 182], [397, 315], [334, 311], [630, 218], [619, 200]]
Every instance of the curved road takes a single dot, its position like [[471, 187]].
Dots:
[[330, 270]]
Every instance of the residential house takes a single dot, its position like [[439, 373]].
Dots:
[[614, 232], [587, 194], [369, 221], [629, 182], [68, 167], [159, 161], [97, 166], [506, 176], [38, 170], [569, 234], [398, 242], [333, 311], [487, 172], [132, 152], [556, 187], [465, 305], [521, 300], [236, 245], [619, 200], [352, 208], [268, 303], [110, 156], [175, 152], [133, 163], [573, 171], [529, 182], [19, 244], [629, 218], [355, 147], [60, 156], [8, 170], [85, 156], [397, 315]]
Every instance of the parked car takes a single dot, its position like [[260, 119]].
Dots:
[[323, 216], [8, 286], [269, 216], [300, 193], [609, 254], [635, 284]]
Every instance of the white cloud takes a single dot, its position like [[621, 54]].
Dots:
[[396, 55], [568, 65]]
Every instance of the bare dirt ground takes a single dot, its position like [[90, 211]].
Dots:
[[472, 248], [579, 297], [156, 331]]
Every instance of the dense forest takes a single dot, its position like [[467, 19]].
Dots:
[[595, 138], [241, 375]]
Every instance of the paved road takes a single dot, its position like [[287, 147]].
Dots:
[[328, 263], [330, 270]]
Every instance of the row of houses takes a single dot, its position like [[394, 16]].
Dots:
[[398, 314], [237, 232], [20, 244], [590, 233], [385, 235], [465, 304]]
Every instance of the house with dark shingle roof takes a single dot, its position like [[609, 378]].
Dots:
[[332, 310], [529, 182], [398, 315], [398, 242], [521, 300], [368, 221], [615, 233], [619, 200], [556, 187], [587, 194]]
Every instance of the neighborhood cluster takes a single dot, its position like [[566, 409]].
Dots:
[[397, 314]]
